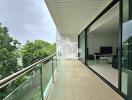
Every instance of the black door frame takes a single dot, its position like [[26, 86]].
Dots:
[[120, 45], [118, 90]]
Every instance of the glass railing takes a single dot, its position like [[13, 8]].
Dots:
[[37, 80]]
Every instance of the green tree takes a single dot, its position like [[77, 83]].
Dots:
[[36, 50], [8, 58], [8, 55]]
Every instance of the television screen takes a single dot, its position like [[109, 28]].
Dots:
[[106, 50]]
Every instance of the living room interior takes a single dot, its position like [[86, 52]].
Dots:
[[102, 46]]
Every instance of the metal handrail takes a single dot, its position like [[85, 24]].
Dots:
[[16, 75]]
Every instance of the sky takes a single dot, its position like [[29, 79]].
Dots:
[[27, 20]]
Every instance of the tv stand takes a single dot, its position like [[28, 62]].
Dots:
[[103, 55]]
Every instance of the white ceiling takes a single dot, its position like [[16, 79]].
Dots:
[[72, 16]]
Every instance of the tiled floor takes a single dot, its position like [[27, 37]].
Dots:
[[74, 81], [105, 70]]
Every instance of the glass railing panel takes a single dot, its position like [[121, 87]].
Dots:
[[55, 62], [29, 89], [46, 74], [35, 81], [11, 91]]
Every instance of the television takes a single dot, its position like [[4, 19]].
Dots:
[[106, 50]]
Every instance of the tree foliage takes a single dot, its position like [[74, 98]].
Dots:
[[8, 55], [36, 50], [8, 58]]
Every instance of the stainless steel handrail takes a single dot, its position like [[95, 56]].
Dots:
[[16, 75]]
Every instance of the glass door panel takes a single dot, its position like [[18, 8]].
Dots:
[[127, 48], [82, 46]]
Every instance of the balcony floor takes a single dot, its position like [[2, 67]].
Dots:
[[74, 81]]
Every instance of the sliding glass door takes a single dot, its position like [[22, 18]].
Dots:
[[127, 48], [81, 48]]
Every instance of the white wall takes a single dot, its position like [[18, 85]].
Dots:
[[105, 31], [105, 35], [95, 41]]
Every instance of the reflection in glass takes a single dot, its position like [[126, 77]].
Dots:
[[82, 46], [127, 49], [102, 42]]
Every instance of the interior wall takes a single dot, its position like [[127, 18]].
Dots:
[[104, 32], [104, 36], [95, 41]]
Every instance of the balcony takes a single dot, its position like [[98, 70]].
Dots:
[[71, 80], [74, 81]]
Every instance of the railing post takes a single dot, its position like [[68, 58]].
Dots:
[[41, 80], [53, 69]]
